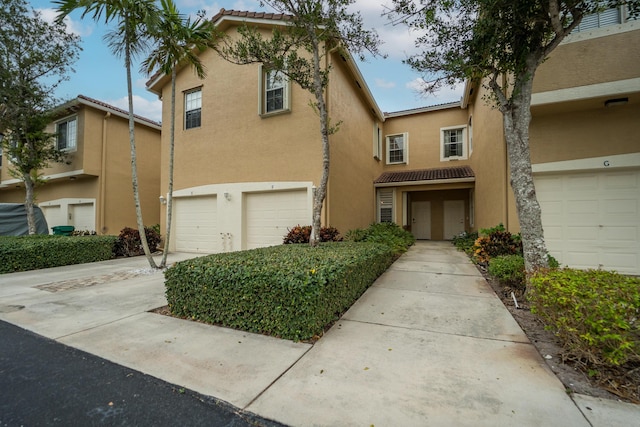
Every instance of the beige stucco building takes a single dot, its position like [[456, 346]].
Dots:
[[92, 190], [248, 153]]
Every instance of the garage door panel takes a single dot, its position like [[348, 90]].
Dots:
[[270, 215], [619, 234], [592, 220], [196, 222], [582, 233]]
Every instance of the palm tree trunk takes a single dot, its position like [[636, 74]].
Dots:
[[171, 156], [134, 169]]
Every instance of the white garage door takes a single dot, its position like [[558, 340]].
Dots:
[[82, 216], [54, 216], [270, 215], [196, 220], [592, 220]]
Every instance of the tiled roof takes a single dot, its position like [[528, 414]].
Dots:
[[252, 15], [457, 172], [116, 109]]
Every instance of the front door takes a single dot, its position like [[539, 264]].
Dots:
[[453, 218], [421, 220]]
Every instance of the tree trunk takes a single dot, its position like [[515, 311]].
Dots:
[[29, 186], [321, 191], [163, 264], [134, 169], [517, 117]]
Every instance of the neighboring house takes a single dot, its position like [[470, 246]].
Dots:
[[248, 153], [92, 190]]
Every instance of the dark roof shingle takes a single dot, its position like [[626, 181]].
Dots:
[[456, 172]]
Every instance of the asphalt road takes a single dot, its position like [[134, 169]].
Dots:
[[45, 383]]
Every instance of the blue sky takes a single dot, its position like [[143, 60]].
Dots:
[[101, 75]]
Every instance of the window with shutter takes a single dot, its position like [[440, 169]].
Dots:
[[385, 205]]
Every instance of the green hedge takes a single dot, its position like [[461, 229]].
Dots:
[[42, 251], [595, 313], [288, 291]]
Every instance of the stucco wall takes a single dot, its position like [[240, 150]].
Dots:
[[351, 201], [585, 60]]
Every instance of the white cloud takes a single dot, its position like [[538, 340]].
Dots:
[[384, 84], [398, 40], [441, 96], [141, 106], [73, 27]]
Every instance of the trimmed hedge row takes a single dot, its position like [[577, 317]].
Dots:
[[24, 253], [288, 291]]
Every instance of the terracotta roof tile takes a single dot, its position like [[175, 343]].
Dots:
[[248, 14], [426, 175], [120, 110]]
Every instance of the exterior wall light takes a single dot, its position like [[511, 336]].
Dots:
[[163, 201], [227, 196]]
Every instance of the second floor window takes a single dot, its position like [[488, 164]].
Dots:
[[274, 92], [453, 143], [67, 132], [193, 109], [397, 148]]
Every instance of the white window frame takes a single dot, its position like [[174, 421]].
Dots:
[[377, 141], [464, 142], [264, 88], [405, 148], [192, 103], [71, 133], [385, 201], [470, 134]]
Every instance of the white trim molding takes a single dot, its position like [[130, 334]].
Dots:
[[619, 87], [617, 161]]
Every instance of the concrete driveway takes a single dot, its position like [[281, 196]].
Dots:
[[428, 344]]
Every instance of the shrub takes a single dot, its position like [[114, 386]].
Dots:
[[387, 233], [129, 243], [301, 234], [465, 241], [287, 291], [497, 242], [595, 313], [83, 233], [509, 270], [24, 253]]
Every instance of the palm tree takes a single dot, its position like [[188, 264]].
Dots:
[[177, 42], [135, 20]]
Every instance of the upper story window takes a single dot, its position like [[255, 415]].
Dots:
[[453, 143], [274, 92], [0, 156], [67, 134], [193, 109], [398, 148]]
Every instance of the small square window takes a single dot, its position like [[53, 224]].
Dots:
[[193, 109], [66, 132]]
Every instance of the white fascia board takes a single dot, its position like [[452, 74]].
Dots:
[[619, 87], [616, 161]]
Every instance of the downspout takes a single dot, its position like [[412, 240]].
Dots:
[[103, 177]]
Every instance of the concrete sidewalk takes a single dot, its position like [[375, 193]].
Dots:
[[428, 344]]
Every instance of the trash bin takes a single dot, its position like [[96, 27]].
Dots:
[[63, 230]]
